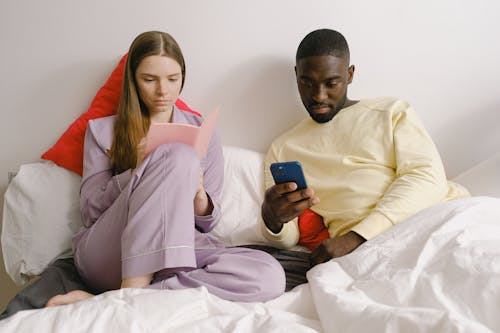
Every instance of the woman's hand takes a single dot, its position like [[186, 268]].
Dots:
[[202, 203]]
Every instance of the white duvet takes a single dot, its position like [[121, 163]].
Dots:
[[439, 271]]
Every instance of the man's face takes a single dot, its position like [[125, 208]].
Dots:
[[322, 83]]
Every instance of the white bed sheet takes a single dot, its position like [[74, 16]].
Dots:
[[188, 310], [439, 271]]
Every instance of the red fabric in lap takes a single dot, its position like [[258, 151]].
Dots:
[[312, 229], [67, 152]]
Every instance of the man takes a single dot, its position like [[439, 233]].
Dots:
[[369, 164]]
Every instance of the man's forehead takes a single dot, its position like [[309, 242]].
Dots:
[[322, 67], [322, 64]]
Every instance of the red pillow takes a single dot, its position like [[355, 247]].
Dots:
[[312, 230], [68, 150]]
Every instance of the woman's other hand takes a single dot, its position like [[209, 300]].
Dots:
[[141, 153], [202, 203]]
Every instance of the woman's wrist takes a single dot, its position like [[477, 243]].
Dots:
[[202, 204]]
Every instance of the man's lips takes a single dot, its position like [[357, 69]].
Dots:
[[320, 108]]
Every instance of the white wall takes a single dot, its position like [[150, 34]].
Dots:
[[442, 56]]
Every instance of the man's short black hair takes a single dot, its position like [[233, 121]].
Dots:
[[323, 42]]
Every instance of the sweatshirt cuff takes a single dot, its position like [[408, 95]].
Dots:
[[373, 225], [286, 238]]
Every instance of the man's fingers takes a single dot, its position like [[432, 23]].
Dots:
[[288, 191], [297, 196], [278, 190], [283, 202], [317, 257]]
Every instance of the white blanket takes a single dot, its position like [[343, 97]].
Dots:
[[439, 271]]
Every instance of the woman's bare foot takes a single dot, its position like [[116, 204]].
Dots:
[[80, 295], [69, 298], [137, 282]]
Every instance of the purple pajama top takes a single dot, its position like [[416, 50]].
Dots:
[[100, 188]]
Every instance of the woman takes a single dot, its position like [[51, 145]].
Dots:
[[146, 218]]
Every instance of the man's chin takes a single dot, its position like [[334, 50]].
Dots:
[[322, 117]]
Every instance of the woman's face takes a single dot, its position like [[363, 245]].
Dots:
[[159, 81]]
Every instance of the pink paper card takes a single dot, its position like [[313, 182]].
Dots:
[[196, 136]]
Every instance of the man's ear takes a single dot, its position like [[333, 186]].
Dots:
[[350, 73]]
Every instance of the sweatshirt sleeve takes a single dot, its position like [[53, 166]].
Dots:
[[420, 178], [99, 187], [289, 234], [213, 179]]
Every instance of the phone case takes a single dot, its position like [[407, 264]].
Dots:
[[284, 172]]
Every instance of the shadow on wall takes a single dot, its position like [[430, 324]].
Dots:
[[479, 129], [259, 101]]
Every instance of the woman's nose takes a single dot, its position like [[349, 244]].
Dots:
[[161, 88]]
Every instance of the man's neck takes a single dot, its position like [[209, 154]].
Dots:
[[349, 103]]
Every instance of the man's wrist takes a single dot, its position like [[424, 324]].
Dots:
[[268, 219], [356, 237], [274, 227]]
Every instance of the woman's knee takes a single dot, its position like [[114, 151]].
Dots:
[[270, 276], [176, 157], [176, 152], [267, 274]]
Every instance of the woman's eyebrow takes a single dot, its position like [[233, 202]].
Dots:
[[154, 75]]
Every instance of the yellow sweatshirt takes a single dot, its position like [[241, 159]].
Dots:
[[372, 166]]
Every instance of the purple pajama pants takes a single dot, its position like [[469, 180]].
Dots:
[[150, 228]]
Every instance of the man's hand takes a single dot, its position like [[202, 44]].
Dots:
[[282, 203], [336, 247]]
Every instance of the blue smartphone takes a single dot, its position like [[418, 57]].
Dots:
[[284, 172]]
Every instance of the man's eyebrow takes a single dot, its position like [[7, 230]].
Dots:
[[333, 77]]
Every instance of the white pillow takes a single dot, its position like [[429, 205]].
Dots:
[[41, 214], [482, 179], [241, 198], [41, 211]]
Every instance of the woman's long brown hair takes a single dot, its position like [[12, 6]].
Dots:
[[133, 119]]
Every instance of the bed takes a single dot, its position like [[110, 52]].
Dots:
[[438, 271]]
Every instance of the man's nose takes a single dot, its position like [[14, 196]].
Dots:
[[319, 93]]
